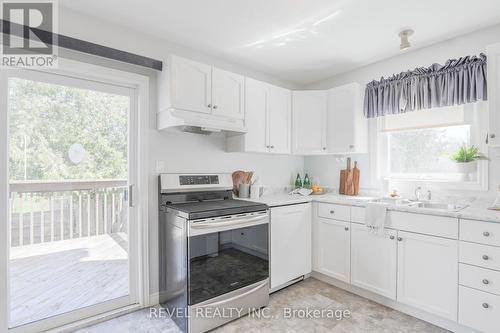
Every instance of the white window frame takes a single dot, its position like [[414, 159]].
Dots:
[[140, 85], [479, 131]]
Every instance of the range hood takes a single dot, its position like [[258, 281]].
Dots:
[[196, 122]]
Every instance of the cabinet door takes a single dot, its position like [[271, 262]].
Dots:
[[256, 111], [374, 260], [309, 122], [191, 85], [493, 93], [331, 251], [428, 273], [280, 100], [290, 243], [347, 127], [227, 94]]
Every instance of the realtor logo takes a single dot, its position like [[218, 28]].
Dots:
[[29, 34]]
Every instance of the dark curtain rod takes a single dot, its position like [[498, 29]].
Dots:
[[85, 47]]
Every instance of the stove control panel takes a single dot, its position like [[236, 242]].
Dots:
[[199, 180], [185, 182]]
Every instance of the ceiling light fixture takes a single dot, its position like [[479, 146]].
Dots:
[[405, 43]]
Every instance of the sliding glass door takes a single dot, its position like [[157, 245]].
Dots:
[[69, 172]]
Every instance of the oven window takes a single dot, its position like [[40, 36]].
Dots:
[[225, 261]]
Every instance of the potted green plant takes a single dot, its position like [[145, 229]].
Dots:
[[466, 160]]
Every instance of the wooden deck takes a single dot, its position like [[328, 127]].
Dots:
[[52, 278]]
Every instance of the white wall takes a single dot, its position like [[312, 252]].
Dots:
[[181, 152], [326, 168]]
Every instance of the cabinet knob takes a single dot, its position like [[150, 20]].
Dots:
[[391, 237], [486, 281], [351, 146], [209, 105], [332, 212], [272, 147], [346, 228], [486, 305], [486, 234], [215, 106], [492, 136], [324, 148], [485, 257], [400, 239]]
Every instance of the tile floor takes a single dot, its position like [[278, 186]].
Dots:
[[366, 316]]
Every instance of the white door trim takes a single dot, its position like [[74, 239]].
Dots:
[[138, 173]]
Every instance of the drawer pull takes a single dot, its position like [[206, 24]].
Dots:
[[485, 257], [486, 281], [486, 234], [346, 229], [400, 239], [332, 212], [486, 305], [391, 237]]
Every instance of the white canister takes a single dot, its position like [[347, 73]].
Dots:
[[255, 191], [244, 191]]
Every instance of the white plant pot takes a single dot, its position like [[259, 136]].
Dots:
[[466, 169]]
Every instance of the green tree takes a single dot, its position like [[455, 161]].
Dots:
[[46, 119]]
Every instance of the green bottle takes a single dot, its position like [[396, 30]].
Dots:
[[307, 181], [298, 182]]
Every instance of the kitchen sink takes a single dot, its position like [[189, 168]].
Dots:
[[437, 205], [397, 202]]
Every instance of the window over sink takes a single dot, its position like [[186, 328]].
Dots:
[[417, 146]]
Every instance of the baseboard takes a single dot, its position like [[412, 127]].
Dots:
[[154, 299], [425, 316]]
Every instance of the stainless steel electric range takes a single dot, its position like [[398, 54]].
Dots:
[[213, 250]]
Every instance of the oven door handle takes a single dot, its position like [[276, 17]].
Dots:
[[228, 223], [246, 293]]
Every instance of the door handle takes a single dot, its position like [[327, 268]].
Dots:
[[131, 195]]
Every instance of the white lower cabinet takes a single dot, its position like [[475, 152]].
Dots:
[[374, 260], [290, 243], [428, 273], [332, 248], [479, 310]]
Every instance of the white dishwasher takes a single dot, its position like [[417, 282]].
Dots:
[[290, 233]]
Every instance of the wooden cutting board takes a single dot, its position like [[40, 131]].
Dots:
[[349, 179], [355, 178], [349, 185], [343, 177]]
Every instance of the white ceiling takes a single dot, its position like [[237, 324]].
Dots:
[[301, 41]]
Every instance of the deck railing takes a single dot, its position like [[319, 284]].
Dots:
[[50, 211]]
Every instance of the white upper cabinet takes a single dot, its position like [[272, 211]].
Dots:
[[280, 100], [309, 122], [228, 94], [374, 260], [267, 120], [428, 273], [199, 97], [256, 110], [494, 94], [191, 85], [347, 127]]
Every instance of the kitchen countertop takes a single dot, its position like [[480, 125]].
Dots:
[[477, 210]]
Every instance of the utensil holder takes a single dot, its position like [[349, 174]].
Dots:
[[244, 191]]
